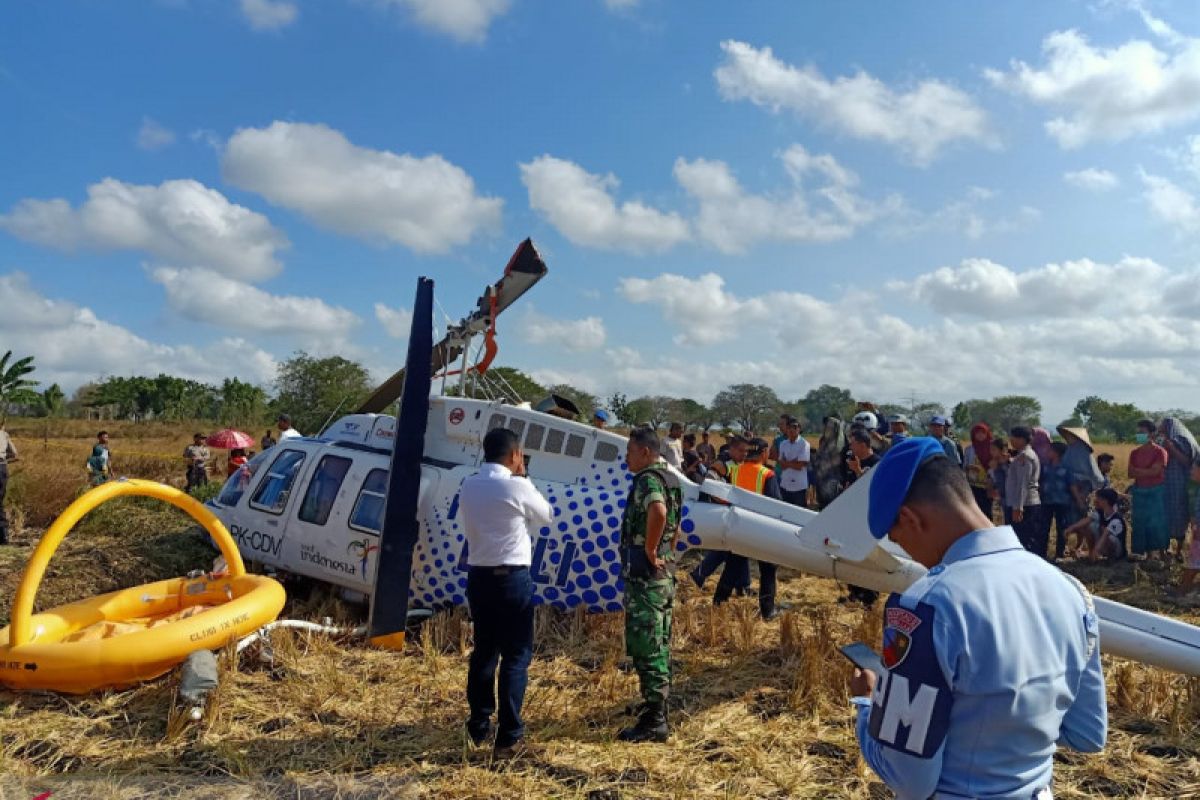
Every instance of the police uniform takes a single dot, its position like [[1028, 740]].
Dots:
[[650, 593], [991, 661]]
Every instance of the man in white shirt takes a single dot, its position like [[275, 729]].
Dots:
[[500, 510], [672, 446], [793, 465], [286, 431]]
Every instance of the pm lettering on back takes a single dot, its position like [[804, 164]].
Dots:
[[902, 715], [910, 707]]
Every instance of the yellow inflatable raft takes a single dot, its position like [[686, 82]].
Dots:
[[124, 637]]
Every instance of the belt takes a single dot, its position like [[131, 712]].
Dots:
[[509, 569]]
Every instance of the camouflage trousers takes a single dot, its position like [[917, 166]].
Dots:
[[648, 605]]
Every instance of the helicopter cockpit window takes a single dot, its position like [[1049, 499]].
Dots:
[[276, 487], [575, 444], [554, 440], [497, 421], [517, 426], [323, 489], [606, 451], [237, 483], [533, 438], [368, 509]]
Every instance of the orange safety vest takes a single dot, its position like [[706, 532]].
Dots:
[[750, 477]]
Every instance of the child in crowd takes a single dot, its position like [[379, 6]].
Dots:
[[999, 475], [1105, 462], [1056, 496], [1104, 530]]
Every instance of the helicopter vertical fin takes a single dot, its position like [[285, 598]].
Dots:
[[401, 526]]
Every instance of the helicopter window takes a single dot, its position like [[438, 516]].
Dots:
[[606, 451], [533, 439], [517, 426], [323, 489], [368, 509], [272, 494], [239, 481], [575, 444], [497, 421], [554, 440]]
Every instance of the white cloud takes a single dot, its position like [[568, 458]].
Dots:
[[982, 289], [396, 322], [464, 20], [269, 15], [920, 121], [974, 215], [71, 345], [1092, 179], [732, 219], [206, 296], [426, 204], [1171, 203], [580, 205], [575, 335], [181, 222], [1057, 332], [153, 136], [1108, 93]]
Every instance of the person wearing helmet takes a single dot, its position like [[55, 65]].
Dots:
[[867, 420]]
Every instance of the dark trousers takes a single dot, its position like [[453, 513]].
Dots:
[[1033, 535], [796, 498], [196, 476], [502, 609], [1059, 515], [3, 491], [737, 568], [983, 500], [712, 561]]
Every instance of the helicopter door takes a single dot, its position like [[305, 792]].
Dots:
[[316, 532]]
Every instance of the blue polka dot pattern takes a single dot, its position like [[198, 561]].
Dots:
[[576, 562]]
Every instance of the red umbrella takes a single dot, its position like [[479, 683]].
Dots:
[[229, 439]]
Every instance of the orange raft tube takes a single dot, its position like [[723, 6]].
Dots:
[[121, 638]]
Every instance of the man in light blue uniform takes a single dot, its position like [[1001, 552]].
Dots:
[[991, 660]]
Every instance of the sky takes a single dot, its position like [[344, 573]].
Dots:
[[936, 200]]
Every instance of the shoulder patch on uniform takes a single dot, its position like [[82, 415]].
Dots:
[[898, 626]]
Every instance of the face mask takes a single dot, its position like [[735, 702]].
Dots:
[[1141, 438]]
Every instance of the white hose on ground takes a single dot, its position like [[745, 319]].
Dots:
[[299, 624]]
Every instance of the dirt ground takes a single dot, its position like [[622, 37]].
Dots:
[[758, 708]]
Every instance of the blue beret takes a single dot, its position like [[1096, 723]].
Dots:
[[601, 414], [892, 478]]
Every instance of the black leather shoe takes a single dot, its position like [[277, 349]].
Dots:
[[479, 733]]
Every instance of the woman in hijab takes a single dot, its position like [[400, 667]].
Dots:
[[827, 462], [977, 461], [1182, 451]]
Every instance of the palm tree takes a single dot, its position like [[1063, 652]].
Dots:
[[14, 386]]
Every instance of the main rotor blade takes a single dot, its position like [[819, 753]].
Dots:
[[524, 269]]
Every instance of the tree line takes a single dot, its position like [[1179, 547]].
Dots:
[[314, 390]]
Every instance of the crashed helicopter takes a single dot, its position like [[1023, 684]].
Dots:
[[371, 504]]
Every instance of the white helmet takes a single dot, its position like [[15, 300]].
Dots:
[[867, 419]]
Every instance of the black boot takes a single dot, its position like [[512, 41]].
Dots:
[[651, 726]]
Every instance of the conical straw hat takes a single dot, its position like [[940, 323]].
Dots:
[[1079, 433]]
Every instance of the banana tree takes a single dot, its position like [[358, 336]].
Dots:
[[14, 386]]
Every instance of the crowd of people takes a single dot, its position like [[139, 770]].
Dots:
[[1046, 489]]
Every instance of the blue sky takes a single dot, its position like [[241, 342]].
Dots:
[[946, 199]]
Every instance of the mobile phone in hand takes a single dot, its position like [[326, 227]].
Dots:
[[863, 657]]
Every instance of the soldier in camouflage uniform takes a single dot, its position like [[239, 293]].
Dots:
[[648, 531]]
